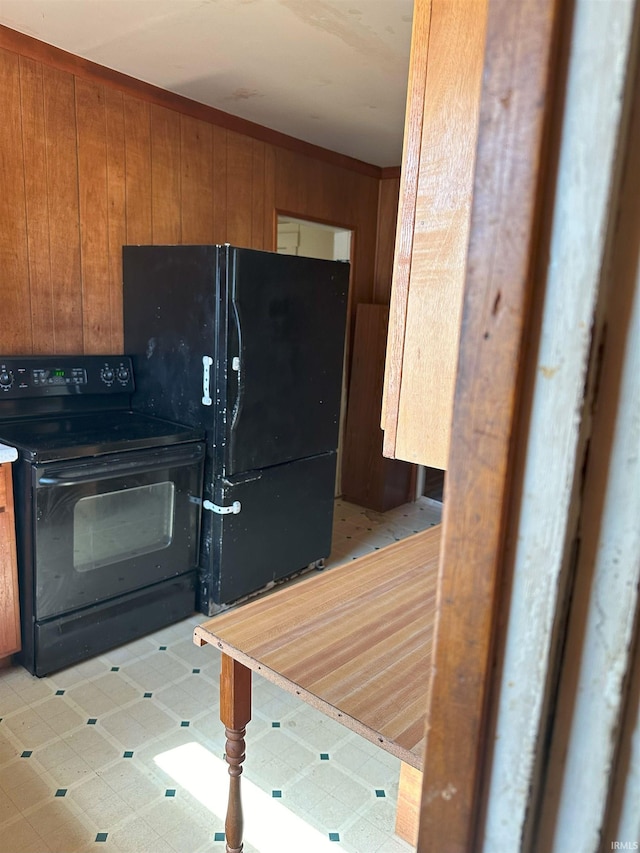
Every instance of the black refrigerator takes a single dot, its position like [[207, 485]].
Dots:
[[247, 345]]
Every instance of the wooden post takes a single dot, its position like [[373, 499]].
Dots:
[[518, 99], [235, 713]]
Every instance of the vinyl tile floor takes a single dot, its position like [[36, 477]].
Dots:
[[125, 752]]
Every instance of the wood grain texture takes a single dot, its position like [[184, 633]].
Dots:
[[165, 176], [9, 601], [116, 210], [197, 181], [137, 135], [235, 694], [270, 225], [368, 478], [239, 173], [354, 642], [219, 185], [408, 807], [94, 216], [441, 229], [16, 321], [257, 194], [403, 246], [516, 102], [235, 713], [64, 212], [387, 217], [436, 205], [35, 178]]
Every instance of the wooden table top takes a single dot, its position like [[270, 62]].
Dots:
[[354, 641]]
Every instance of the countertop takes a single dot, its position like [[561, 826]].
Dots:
[[7, 453]]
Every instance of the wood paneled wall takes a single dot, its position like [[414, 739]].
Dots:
[[90, 161]]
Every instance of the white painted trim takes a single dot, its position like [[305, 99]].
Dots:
[[607, 578]]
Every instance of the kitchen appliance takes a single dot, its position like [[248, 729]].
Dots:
[[249, 346], [107, 504]]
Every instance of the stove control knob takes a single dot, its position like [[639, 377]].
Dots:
[[123, 374], [107, 375], [6, 379]]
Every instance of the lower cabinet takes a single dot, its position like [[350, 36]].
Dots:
[[9, 604]]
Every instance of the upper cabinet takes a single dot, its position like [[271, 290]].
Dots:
[[436, 187]]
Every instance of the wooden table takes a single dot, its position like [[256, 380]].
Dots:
[[354, 642]]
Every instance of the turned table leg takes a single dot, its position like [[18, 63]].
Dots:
[[235, 713]]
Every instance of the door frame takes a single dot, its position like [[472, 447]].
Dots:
[[527, 114], [521, 93]]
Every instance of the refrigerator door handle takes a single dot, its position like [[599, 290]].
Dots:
[[234, 509], [236, 365], [207, 361]]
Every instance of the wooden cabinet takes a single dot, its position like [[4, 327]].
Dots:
[[9, 607], [436, 184]]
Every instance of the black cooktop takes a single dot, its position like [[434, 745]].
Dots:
[[61, 407], [90, 434]]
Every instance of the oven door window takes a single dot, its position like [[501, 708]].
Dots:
[[114, 524], [120, 525]]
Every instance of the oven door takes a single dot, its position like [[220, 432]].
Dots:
[[112, 524]]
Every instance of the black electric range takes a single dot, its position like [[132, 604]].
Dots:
[[107, 505]]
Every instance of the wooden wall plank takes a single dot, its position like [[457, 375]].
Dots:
[[116, 209], [137, 134], [165, 176], [93, 201], [35, 178], [289, 177], [387, 215], [197, 180], [64, 213], [313, 192], [239, 189], [219, 185], [15, 329], [257, 193], [269, 237], [363, 209]]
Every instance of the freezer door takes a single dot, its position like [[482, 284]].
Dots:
[[173, 313], [285, 351], [284, 523]]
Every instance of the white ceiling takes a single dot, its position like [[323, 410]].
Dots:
[[331, 72]]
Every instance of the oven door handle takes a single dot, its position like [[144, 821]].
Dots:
[[109, 470]]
